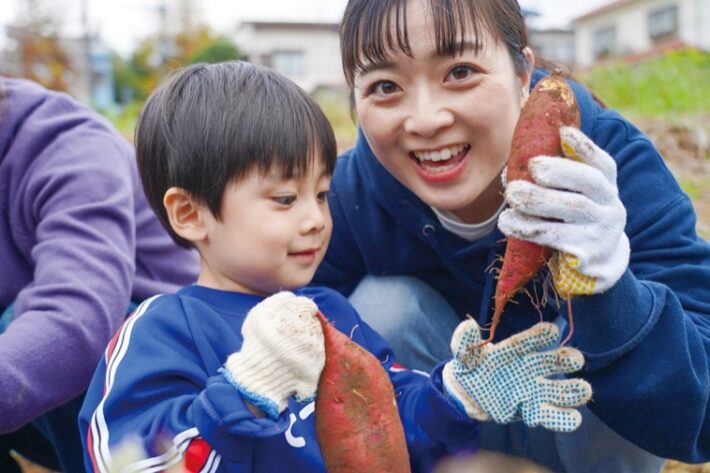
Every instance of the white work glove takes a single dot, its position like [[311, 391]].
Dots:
[[282, 355], [573, 207], [509, 381]]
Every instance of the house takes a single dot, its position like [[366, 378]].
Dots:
[[638, 28], [553, 44], [307, 53]]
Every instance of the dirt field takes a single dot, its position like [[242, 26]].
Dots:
[[685, 145]]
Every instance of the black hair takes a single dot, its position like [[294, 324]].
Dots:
[[209, 125], [366, 31]]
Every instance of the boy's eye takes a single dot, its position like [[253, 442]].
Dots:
[[460, 72], [323, 196], [284, 199], [384, 87]]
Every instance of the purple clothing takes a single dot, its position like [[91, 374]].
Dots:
[[78, 242]]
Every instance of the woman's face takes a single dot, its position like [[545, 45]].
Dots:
[[442, 124]]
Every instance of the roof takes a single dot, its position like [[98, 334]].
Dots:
[[291, 25], [603, 9], [528, 12]]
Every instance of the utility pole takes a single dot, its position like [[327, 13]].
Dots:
[[86, 46]]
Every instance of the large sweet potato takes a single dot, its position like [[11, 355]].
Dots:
[[357, 420]]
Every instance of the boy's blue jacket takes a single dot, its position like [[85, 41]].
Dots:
[[646, 341], [159, 386]]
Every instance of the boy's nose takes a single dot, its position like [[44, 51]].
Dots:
[[315, 218]]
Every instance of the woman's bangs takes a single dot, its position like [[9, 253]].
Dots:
[[383, 31]]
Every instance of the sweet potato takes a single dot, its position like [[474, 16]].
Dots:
[[357, 420], [550, 106]]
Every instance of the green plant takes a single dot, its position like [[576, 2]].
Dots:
[[675, 83]]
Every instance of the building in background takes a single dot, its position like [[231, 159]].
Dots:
[[307, 53], [641, 28], [553, 44]]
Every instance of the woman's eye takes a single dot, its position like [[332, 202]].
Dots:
[[460, 72], [284, 199], [384, 87]]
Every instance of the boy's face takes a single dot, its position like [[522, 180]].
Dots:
[[272, 235]]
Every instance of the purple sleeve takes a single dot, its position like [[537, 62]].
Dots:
[[72, 217]]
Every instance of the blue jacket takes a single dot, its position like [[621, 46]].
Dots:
[[646, 340], [159, 385]]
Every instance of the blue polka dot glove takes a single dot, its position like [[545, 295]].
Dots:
[[511, 380]]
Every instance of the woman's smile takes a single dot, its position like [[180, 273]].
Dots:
[[441, 165]]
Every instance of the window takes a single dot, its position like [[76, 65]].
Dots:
[[288, 63], [663, 22], [604, 42]]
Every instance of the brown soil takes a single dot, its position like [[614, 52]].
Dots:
[[685, 146]]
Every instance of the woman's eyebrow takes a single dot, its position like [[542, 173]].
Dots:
[[456, 49], [372, 66]]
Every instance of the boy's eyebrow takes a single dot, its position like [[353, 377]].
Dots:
[[436, 54]]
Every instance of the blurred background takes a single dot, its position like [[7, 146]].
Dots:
[[649, 59]]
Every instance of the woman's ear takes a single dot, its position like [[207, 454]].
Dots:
[[185, 214], [526, 75]]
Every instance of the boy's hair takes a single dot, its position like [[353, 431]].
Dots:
[[208, 125]]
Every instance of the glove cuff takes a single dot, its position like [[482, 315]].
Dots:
[[265, 404], [459, 395], [264, 380]]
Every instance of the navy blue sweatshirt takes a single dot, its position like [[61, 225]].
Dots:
[[646, 340]]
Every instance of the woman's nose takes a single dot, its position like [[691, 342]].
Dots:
[[427, 114]]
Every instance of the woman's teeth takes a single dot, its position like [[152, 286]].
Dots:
[[443, 154]]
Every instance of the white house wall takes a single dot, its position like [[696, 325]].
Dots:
[[700, 21], [320, 49], [631, 22]]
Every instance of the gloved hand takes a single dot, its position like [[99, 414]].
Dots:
[[509, 381], [572, 207], [282, 355]]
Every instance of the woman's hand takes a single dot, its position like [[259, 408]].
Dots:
[[510, 380], [283, 353], [574, 208]]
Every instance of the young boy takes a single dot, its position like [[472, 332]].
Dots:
[[236, 161]]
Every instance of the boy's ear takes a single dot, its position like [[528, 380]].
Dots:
[[185, 214]]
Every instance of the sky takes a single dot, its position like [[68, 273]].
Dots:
[[122, 23]]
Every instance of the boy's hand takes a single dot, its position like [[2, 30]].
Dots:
[[509, 381], [573, 207], [282, 355]]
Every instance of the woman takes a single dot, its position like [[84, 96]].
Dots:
[[438, 87]]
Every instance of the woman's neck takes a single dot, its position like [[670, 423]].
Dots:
[[484, 207]]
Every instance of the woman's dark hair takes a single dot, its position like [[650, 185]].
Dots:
[[209, 125], [372, 29]]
